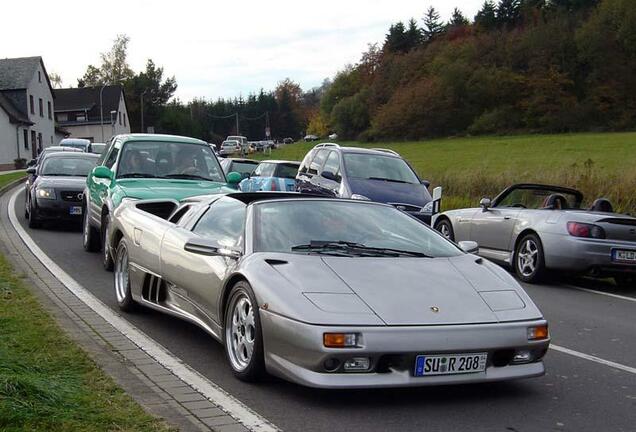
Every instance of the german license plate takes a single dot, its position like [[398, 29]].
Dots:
[[624, 256], [450, 364], [75, 210]]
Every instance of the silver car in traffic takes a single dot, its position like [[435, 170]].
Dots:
[[534, 228], [327, 293]]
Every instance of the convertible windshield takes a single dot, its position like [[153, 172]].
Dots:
[[344, 229], [378, 167], [149, 159], [538, 198], [70, 167]]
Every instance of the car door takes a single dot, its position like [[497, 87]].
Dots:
[[201, 276], [492, 228], [98, 188], [329, 179], [314, 184]]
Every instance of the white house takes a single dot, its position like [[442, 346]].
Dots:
[[94, 113], [26, 109]]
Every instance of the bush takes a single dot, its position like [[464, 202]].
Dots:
[[20, 163]]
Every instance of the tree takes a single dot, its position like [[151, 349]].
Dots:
[[508, 12], [114, 68], [413, 35], [396, 40], [458, 19], [433, 26], [56, 80], [486, 17]]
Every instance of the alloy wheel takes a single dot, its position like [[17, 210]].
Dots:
[[241, 331], [527, 258], [121, 274]]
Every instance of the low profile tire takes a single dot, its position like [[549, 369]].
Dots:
[[26, 208], [445, 227], [529, 260], [107, 258], [90, 236], [122, 278], [243, 338], [34, 222]]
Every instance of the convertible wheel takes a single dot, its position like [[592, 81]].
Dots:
[[34, 222], [446, 229], [243, 336], [122, 279], [90, 237], [529, 261], [107, 257]]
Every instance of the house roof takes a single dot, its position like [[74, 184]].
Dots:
[[17, 73], [87, 99], [15, 115]]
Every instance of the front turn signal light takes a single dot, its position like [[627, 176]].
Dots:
[[340, 340], [538, 332]]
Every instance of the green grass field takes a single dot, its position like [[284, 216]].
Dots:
[[601, 164], [47, 383], [8, 178]]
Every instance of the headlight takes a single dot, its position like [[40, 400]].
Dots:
[[360, 197], [428, 208], [46, 193]]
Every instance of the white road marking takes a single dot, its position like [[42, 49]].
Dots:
[[594, 359], [213, 392], [632, 299]]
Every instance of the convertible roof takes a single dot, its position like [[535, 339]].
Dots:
[[250, 197], [578, 194]]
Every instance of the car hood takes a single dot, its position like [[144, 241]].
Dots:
[[70, 183], [391, 192], [169, 188], [410, 291]]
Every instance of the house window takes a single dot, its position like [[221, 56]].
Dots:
[[80, 117], [120, 119], [51, 139], [33, 144], [39, 142], [48, 105], [124, 119], [62, 117], [26, 139], [31, 104], [39, 76], [41, 107]]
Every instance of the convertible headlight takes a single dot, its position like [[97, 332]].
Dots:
[[340, 340], [428, 208], [46, 193], [360, 197], [538, 332]]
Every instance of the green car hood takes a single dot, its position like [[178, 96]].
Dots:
[[164, 188]]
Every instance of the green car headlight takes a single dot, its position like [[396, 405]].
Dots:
[[46, 193]]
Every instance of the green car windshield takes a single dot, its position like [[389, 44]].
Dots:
[[295, 225], [157, 159]]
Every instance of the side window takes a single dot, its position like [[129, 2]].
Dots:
[[267, 170], [223, 222], [304, 166], [332, 164], [258, 170], [316, 164], [112, 157]]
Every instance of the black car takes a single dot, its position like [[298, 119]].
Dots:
[[378, 175], [55, 194]]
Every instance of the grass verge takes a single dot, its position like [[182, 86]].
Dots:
[[5, 179], [47, 383], [601, 164]]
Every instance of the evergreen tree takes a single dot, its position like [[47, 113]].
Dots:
[[396, 39], [508, 12], [458, 19], [433, 26], [486, 17]]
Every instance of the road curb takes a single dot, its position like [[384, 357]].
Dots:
[[152, 385]]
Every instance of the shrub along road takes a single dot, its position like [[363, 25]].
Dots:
[[576, 394]]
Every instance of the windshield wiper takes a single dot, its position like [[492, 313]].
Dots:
[[187, 177], [388, 179], [136, 175], [356, 248]]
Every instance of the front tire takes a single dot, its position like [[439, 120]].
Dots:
[[107, 258], [243, 335], [90, 236], [445, 227], [122, 278], [34, 222], [529, 259]]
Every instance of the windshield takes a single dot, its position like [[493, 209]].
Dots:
[[297, 226], [244, 167], [149, 159], [536, 198], [76, 145], [378, 167], [286, 170], [71, 167]]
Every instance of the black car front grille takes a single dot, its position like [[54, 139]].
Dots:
[[73, 196]]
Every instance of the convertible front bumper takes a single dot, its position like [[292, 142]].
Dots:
[[295, 351], [581, 255]]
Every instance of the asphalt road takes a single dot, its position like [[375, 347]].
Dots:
[[576, 394]]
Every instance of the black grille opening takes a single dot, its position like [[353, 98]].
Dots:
[[73, 196], [503, 357]]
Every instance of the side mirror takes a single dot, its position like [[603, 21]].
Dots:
[[31, 170], [31, 163], [485, 203], [426, 183], [470, 247], [211, 248], [102, 172], [234, 178]]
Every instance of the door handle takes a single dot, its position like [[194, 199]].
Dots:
[[506, 217]]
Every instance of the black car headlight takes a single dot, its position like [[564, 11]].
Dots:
[[428, 208], [45, 193]]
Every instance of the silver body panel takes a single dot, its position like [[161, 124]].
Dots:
[[390, 301]]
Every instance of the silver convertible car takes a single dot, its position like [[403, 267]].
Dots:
[[534, 228], [325, 292]]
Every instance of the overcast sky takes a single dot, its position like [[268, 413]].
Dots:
[[214, 48]]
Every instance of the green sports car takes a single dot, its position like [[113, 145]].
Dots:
[[147, 166]]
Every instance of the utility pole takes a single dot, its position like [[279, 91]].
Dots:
[[237, 124], [142, 110]]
